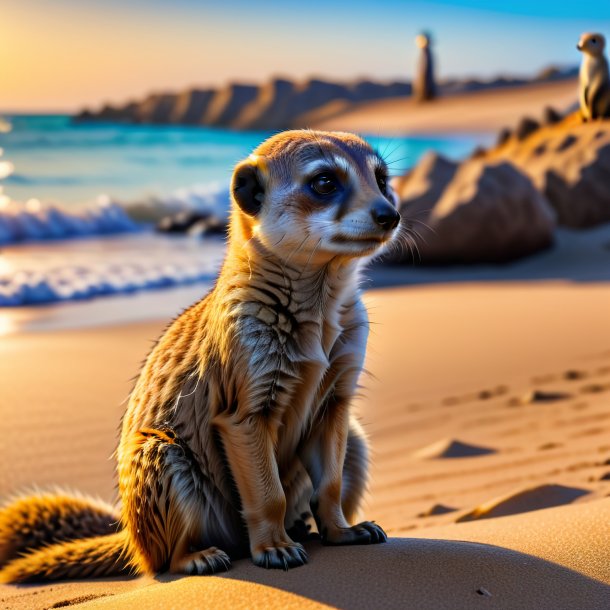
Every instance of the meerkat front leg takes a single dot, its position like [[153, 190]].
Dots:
[[326, 503], [249, 448]]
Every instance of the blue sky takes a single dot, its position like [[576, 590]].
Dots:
[[65, 53]]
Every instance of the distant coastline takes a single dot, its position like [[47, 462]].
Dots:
[[282, 103]]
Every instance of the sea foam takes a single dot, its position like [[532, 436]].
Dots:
[[34, 221], [84, 269]]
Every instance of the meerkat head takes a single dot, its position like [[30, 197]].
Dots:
[[592, 44], [313, 196]]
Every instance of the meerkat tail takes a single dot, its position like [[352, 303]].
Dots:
[[31, 522], [75, 559]]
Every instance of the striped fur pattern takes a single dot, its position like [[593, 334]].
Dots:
[[238, 429]]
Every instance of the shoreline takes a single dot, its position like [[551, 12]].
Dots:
[[479, 112], [578, 256]]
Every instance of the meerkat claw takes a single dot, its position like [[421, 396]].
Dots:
[[210, 561], [281, 558], [367, 532]]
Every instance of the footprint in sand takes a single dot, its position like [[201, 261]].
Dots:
[[575, 375], [595, 388], [525, 500], [485, 394], [437, 509], [549, 445], [537, 396], [451, 448]]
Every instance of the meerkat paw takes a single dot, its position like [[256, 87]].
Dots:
[[367, 532], [282, 556], [209, 561]]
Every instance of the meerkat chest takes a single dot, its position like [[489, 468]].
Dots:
[[588, 70], [291, 353]]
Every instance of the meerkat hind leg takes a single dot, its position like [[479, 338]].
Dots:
[[167, 513]]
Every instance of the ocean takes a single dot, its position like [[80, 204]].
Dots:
[[61, 180]]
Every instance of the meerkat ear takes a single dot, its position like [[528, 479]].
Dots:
[[247, 188]]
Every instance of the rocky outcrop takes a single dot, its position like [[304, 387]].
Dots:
[[191, 106], [569, 162], [503, 203], [277, 104], [280, 103], [473, 213]]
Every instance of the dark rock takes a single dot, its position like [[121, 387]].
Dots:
[[473, 213], [503, 136], [526, 127], [550, 116], [227, 103], [192, 223], [191, 106]]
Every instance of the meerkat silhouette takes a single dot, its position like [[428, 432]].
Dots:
[[594, 86], [238, 433]]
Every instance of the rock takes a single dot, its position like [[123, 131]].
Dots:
[[227, 103], [213, 225], [550, 116], [191, 106], [570, 164], [526, 127], [278, 104], [156, 108], [421, 188], [192, 223], [478, 213], [270, 106], [503, 136], [180, 222]]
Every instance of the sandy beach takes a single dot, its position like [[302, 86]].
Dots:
[[486, 398], [131, 163], [472, 112], [483, 401]]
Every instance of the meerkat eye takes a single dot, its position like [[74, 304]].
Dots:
[[594, 40], [324, 184], [382, 182]]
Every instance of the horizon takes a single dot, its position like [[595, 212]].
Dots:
[[63, 57]]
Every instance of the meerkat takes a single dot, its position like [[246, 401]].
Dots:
[[594, 85], [238, 431]]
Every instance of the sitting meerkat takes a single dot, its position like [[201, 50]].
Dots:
[[594, 86], [238, 429]]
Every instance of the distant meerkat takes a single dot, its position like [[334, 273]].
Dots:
[[238, 429], [594, 87]]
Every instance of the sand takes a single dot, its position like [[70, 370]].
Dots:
[[473, 112], [477, 393]]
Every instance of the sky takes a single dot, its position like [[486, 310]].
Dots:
[[61, 55]]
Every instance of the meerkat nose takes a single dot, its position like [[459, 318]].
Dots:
[[385, 215]]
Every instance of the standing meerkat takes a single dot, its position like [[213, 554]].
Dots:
[[594, 86], [238, 429]]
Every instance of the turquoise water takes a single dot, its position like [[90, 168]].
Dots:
[[48, 160], [58, 161]]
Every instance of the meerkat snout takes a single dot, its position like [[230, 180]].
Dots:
[[385, 215]]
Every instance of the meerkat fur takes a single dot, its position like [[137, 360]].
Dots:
[[238, 434]]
